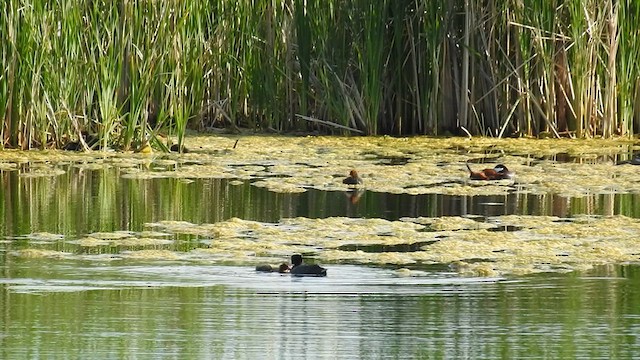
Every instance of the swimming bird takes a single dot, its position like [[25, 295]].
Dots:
[[283, 268], [499, 172], [300, 269], [352, 179]]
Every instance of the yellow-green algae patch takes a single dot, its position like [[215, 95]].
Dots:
[[40, 253], [154, 234], [429, 165], [468, 246], [426, 166], [90, 242], [452, 223], [120, 241], [44, 237], [42, 172], [8, 166], [151, 255], [543, 244], [124, 239], [417, 165], [110, 235]]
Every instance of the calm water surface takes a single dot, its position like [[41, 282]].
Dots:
[[126, 309], [175, 311]]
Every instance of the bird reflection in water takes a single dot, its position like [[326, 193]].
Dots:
[[354, 195]]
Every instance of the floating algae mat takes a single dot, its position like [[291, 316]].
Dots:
[[470, 247], [542, 244], [422, 165], [417, 165]]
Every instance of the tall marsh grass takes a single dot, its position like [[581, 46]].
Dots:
[[128, 71]]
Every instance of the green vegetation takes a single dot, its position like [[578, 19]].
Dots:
[[119, 73]]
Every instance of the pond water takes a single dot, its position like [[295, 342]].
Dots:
[[99, 264]]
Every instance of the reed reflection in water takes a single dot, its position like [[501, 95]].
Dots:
[[81, 201]]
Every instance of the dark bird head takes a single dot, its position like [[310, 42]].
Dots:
[[296, 259], [503, 172], [501, 168]]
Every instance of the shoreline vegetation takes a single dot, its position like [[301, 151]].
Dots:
[[119, 74]]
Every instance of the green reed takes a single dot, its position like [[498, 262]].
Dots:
[[131, 73], [628, 65]]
